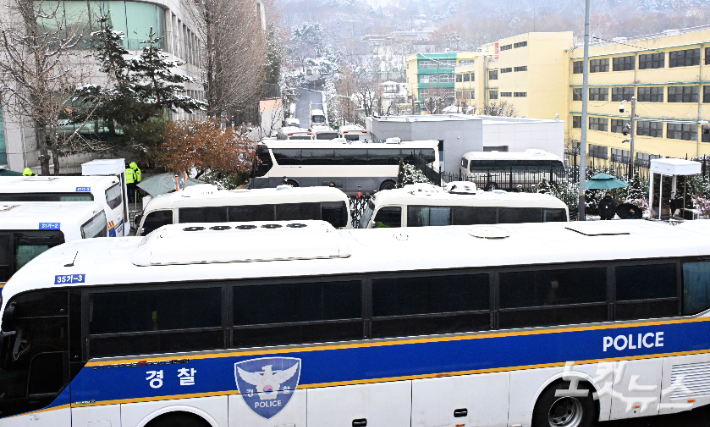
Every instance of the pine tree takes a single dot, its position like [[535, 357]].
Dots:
[[635, 190], [544, 187]]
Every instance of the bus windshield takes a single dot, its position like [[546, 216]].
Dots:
[[46, 197], [17, 248]]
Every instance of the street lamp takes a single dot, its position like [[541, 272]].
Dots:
[[631, 127]]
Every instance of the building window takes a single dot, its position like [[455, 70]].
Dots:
[[577, 67], [506, 94], [599, 94], [493, 75], [644, 160], [467, 77], [684, 58], [459, 94], [459, 78], [620, 156], [520, 94], [493, 94], [599, 65], [466, 62], [576, 122], [523, 68], [506, 47], [623, 63], [473, 94], [577, 94], [599, 123], [686, 132], [446, 78], [706, 93], [653, 129], [652, 60], [622, 93], [617, 125], [520, 44], [598, 151], [438, 64], [683, 94], [707, 56], [650, 94], [473, 77], [705, 136], [506, 70]]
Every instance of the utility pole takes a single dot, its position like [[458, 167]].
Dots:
[[630, 128], [585, 99]]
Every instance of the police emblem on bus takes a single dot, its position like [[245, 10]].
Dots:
[[267, 383]]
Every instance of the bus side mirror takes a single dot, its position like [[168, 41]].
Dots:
[[8, 318], [137, 219]]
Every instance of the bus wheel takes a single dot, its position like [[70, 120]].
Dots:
[[178, 419], [565, 410], [388, 185], [292, 183]]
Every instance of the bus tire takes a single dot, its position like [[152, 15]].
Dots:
[[565, 411], [292, 183], [388, 185], [178, 419]]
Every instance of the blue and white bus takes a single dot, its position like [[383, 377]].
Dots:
[[296, 323]]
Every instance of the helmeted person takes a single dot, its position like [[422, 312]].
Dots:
[[131, 182], [28, 172], [136, 170], [607, 207]]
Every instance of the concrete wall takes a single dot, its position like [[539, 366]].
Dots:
[[521, 136]]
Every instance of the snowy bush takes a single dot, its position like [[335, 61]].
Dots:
[[702, 204], [408, 174]]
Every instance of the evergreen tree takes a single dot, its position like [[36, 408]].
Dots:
[[635, 190], [544, 187]]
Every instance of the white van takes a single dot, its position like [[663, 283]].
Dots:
[[205, 203], [28, 229], [352, 132], [107, 190], [460, 203], [317, 117]]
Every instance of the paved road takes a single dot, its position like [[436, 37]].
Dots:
[[697, 418], [305, 97]]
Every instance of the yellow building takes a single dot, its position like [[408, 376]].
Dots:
[[668, 74], [539, 75]]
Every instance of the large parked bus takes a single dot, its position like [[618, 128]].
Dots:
[[107, 190], [460, 203], [295, 323], [28, 229], [351, 166], [204, 203], [510, 170]]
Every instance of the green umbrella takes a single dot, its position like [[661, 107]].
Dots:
[[163, 183], [604, 181]]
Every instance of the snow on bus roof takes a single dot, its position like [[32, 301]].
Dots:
[[111, 261], [51, 184], [353, 144], [531, 154], [192, 196], [28, 216]]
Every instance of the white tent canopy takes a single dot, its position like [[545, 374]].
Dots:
[[673, 168]]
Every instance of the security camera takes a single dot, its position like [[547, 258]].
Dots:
[[622, 108]]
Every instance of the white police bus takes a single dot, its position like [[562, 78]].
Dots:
[[205, 203], [350, 166], [460, 203], [241, 325], [28, 229], [107, 190]]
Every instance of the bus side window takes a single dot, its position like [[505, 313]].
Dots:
[[155, 220], [297, 211], [518, 215], [273, 314], [552, 297], [251, 213], [265, 162], [204, 214], [95, 227], [427, 216], [457, 303], [114, 196], [160, 321], [6, 252], [390, 216], [646, 291], [696, 287], [335, 213], [554, 215], [463, 215]]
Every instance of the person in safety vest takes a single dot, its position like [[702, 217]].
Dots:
[[131, 183], [28, 172], [137, 171]]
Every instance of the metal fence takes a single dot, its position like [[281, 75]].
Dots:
[[357, 207], [510, 180], [621, 165]]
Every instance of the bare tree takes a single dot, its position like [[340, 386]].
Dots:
[[233, 55], [40, 74]]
